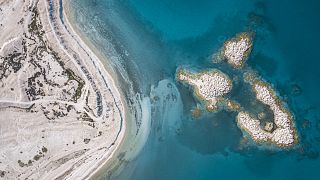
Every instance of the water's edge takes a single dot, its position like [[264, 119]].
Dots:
[[133, 139]]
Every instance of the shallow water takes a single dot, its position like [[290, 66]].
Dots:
[[150, 39]]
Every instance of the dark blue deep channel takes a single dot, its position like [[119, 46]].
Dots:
[[150, 39]]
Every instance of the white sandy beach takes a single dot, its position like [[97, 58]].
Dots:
[[62, 115]]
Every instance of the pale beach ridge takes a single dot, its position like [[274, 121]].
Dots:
[[134, 136], [62, 113], [103, 165]]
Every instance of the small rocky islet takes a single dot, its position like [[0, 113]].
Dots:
[[212, 85]]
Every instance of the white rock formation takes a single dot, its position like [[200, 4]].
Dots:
[[236, 50], [208, 85], [284, 134]]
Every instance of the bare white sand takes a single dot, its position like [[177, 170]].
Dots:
[[61, 112]]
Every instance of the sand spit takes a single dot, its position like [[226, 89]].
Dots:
[[61, 113]]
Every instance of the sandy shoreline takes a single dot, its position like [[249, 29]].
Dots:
[[85, 123], [111, 158], [131, 144]]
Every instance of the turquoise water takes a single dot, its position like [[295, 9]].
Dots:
[[150, 39]]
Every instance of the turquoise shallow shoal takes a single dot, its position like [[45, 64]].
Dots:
[[152, 38]]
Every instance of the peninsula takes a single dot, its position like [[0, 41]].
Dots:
[[62, 116]]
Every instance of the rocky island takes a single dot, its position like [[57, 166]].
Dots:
[[237, 49], [282, 132], [208, 86]]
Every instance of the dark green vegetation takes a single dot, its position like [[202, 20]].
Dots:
[[35, 158], [38, 50]]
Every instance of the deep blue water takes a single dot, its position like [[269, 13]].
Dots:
[[150, 39]]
